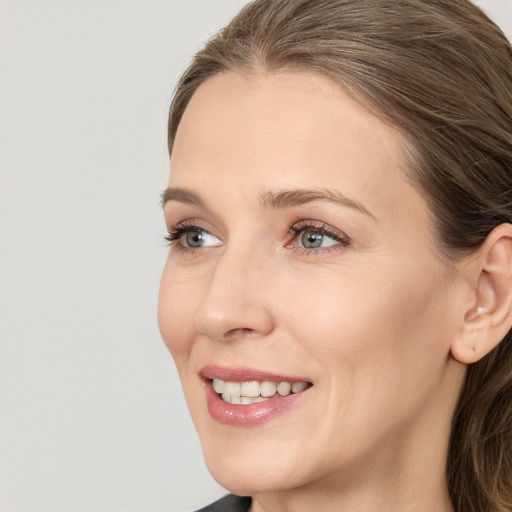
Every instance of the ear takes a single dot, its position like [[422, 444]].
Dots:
[[489, 317]]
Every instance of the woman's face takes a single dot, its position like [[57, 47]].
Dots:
[[302, 255]]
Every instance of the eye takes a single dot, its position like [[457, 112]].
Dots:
[[310, 239], [315, 236], [198, 238], [192, 237]]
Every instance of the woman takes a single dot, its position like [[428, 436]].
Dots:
[[338, 292]]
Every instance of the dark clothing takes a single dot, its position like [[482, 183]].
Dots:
[[229, 503]]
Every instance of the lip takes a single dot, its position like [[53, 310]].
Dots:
[[245, 374], [251, 414]]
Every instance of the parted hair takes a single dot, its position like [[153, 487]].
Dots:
[[440, 71]]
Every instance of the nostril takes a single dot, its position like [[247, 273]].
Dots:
[[240, 331]]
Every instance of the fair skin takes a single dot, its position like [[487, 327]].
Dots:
[[349, 295]]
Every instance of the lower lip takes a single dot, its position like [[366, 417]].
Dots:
[[250, 414]]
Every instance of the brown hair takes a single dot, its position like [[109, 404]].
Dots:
[[441, 72]]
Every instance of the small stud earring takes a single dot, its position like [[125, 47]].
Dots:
[[474, 348]]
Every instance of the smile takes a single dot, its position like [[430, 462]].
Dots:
[[244, 397], [250, 392]]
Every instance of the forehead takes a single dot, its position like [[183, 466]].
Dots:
[[266, 110], [287, 105], [276, 130]]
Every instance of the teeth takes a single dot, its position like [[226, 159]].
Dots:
[[218, 385], [268, 388], [297, 387], [245, 400], [251, 388], [232, 388], [250, 392], [284, 388]]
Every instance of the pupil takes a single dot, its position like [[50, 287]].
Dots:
[[194, 238], [311, 239]]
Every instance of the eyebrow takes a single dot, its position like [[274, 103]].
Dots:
[[298, 197], [181, 195], [274, 200]]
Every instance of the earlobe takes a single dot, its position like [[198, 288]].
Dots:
[[489, 318]]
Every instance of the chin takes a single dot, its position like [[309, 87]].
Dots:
[[251, 471]]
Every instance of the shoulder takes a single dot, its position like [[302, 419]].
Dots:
[[229, 503]]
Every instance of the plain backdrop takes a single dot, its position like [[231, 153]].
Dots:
[[92, 417]]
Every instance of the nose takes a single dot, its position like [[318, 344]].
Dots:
[[235, 303]]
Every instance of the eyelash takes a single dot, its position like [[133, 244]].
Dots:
[[322, 229], [178, 232]]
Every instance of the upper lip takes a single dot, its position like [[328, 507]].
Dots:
[[245, 374]]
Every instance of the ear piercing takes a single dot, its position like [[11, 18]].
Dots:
[[479, 311]]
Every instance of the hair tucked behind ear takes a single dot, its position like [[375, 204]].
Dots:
[[480, 457], [441, 72]]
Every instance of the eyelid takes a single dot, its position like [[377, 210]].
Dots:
[[177, 232], [321, 227]]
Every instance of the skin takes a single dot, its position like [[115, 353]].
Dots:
[[370, 323]]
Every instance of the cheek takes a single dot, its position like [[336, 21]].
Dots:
[[376, 323], [376, 346], [175, 313]]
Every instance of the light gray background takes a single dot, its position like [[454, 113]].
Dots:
[[91, 413]]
